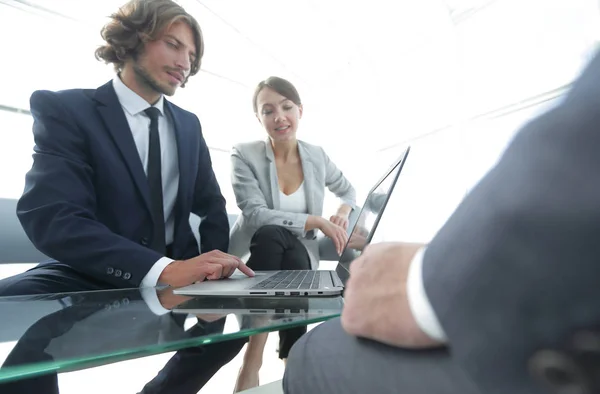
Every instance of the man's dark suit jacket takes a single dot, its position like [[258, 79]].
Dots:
[[86, 201], [516, 269]]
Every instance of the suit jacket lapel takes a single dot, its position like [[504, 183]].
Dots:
[[272, 174], [112, 113], [307, 169], [187, 160]]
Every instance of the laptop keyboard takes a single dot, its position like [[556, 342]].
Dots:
[[291, 280]]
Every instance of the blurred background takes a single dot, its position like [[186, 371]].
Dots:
[[455, 79]]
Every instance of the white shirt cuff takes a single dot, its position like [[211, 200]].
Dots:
[[419, 303], [149, 283], [151, 278]]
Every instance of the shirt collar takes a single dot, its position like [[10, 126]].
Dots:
[[131, 101]]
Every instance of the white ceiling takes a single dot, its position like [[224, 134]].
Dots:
[[370, 73], [345, 57]]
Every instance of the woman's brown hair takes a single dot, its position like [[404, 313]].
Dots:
[[140, 21], [281, 86]]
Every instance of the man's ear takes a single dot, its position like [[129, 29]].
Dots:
[[300, 110]]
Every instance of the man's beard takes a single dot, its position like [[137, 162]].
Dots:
[[145, 78]]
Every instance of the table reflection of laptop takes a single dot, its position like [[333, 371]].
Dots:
[[310, 282], [221, 305]]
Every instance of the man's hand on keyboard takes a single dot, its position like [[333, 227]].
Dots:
[[211, 265]]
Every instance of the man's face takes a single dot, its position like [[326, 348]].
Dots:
[[165, 63]]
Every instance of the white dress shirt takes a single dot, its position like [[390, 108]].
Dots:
[[139, 123], [419, 302]]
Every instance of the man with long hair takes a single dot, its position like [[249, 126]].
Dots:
[[116, 173]]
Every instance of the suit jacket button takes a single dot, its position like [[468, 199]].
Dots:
[[110, 270], [290, 223], [126, 276], [557, 372], [285, 222], [118, 273], [144, 241]]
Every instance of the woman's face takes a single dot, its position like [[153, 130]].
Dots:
[[278, 115]]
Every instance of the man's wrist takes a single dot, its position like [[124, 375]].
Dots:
[[167, 272], [151, 279]]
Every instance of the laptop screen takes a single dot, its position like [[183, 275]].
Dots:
[[369, 217]]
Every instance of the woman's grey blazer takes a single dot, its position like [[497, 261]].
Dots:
[[256, 188]]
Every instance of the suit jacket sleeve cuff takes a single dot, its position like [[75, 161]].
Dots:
[[419, 302]]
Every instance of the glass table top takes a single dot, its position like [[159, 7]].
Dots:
[[71, 331]]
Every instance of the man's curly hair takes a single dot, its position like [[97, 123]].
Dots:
[[140, 21]]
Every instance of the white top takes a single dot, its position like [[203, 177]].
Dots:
[[295, 202]]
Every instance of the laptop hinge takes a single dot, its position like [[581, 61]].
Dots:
[[337, 282]]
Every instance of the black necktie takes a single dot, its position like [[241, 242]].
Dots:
[[155, 183]]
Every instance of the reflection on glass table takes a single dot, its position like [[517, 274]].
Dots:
[[71, 331]]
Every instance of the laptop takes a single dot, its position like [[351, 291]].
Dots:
[[311, 283]]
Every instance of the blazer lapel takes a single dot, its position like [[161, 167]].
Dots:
[[272, 175], [307, 169], [187, 160], [112, 113]]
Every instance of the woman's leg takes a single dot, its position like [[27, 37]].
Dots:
[[271, 248], [248, 374], [276, 248]]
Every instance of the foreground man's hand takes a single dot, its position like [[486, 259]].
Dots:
[[375, 300]]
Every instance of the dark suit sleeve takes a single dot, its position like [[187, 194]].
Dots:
[[515, 269], [57, 208], [209, 204]]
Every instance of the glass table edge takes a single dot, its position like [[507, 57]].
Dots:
[[76, 364]]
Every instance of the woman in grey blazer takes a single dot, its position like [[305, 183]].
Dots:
[[279, 185]]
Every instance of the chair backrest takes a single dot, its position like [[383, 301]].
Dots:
[[195, 222], [15, 247]]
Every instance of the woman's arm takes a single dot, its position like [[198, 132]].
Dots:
[[339, 185]]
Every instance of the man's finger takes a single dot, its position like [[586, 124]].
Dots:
[[245, 269], [232, 268], [227, 271], [216, 271], [224, 261], [224, 255]]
